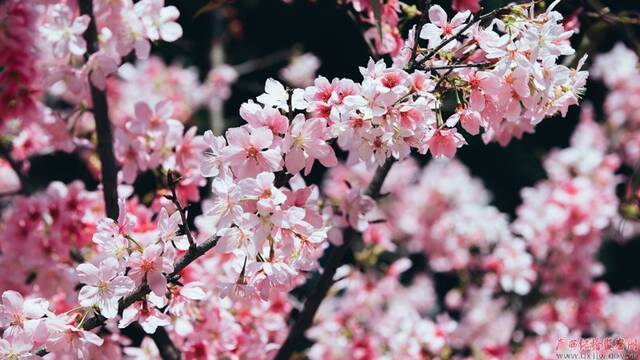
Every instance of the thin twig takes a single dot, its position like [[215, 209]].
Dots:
[[372, 48], [263, 62], [108, 165], [416, 35], [173, 180], [336, 259], [143, 290], [458, 66], [462, 31]]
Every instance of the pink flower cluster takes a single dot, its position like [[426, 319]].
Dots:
[[618, 69], [179, 85], [44, 54], [384, 34], [301, 70], [547, 256], [54, 225], [151, 138], [524, 82], [563, 219], [377, 317], [19, 74], [271, 227]]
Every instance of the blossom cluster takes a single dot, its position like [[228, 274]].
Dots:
[[546, 256], [268, 224], [525, 84], [618, 69]]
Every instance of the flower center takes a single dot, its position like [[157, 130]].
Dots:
[[147, 265], [102, 286], [265, 194], [252, 153], [18, 320], [447, 29]]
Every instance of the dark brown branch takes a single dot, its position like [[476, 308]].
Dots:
[[108, 165], [458, 66], [252, 65], [460, 33], [416, 35], [191, 255], [321, 288], [100, 109], [172, 181], [353, 15]]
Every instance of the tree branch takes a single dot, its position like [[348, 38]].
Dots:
[[353, 15], [172, 180], [143, 290], [416, 35], [458, 66], [108, 166], [455, 36], [336, 259], [100, 111], [252, 65]]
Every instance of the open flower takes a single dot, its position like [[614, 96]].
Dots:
[[18, 315], [305, 142], [250, 153], [146, 315], [150, 265], [159, 21], [168, 226], [65, 32], [440, 27], [65, 338], [261, 189], [16, 348], [104, 286]]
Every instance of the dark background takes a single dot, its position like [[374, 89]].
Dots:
[[251, 29]]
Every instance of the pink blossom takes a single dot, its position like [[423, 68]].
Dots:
[[445, 142], [65, 31], [306, 143], [168, 226], [358, 207], [18, 315], [257, 117], [213, 162], [440, 27], [132, 36], [147, 351], [251, 152], [150, 265], [104, 286], [241, 236], [301, 70], [65, 338], [147, 316], [100, 66], [226, 207], [18, 347], [275, 95], [261, 189], [158, 20], [514, 266]]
